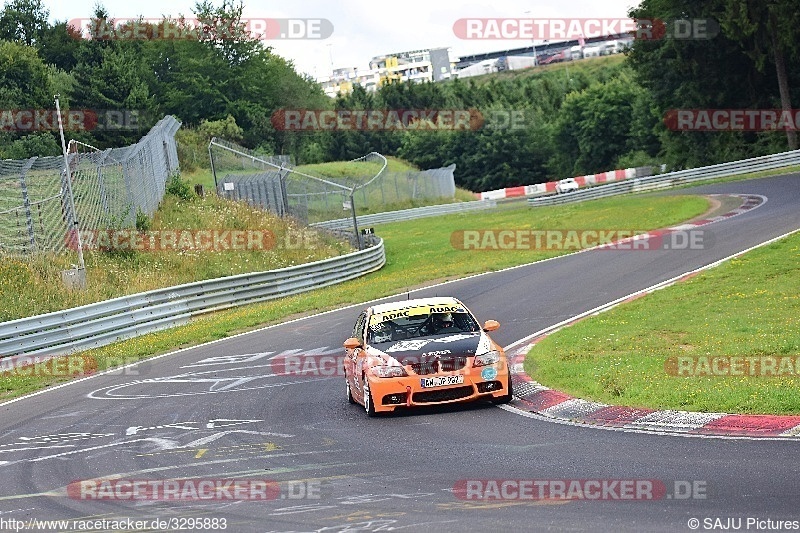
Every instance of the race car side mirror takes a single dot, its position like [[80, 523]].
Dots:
[[352, 343], [491, 325]]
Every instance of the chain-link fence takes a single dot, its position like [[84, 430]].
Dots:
[[242, 174], [109, 187], [262, 189]]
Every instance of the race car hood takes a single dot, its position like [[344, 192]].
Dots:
[[426, 349]]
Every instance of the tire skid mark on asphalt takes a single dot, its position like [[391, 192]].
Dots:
[[479, 505], [257, 447]]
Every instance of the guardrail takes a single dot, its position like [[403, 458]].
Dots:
[[674, 179], [407, 214], [98, 324]]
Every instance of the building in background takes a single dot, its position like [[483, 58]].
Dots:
[[430, 64], [438, 64], [344, 79]]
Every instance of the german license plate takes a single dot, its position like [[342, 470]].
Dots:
[[440, 381]]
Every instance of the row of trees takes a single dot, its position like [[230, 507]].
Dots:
[[573, 119], [565, 122], [223, 72]]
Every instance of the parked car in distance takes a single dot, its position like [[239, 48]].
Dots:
[[567, 185]]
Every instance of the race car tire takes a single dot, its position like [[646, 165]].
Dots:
[[506, 398], [369, 405]]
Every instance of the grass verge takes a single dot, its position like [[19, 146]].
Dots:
[[418, 252], [658, 351]]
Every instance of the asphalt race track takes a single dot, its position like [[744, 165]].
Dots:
[[220, 412]]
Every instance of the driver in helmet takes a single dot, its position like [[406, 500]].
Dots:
[[381, 332], [443, 323]]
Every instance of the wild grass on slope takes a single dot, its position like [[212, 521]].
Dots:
[[34, 287]]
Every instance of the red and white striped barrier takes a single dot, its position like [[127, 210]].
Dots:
[[550, 186]]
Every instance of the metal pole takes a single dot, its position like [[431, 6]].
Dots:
[[81, 264], [213, 170], [27, 203], [284, 190], [355, 220]]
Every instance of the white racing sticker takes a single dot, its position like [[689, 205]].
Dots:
[[484, 345], [437, 352], [405, 346], [453, 338]]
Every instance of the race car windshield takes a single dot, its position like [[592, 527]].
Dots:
[[417, 326]]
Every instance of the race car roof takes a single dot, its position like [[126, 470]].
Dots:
[[417, 302]]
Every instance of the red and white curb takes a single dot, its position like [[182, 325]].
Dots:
[[550, 186], [533, 397]]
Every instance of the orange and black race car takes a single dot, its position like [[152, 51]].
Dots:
[[425, 351]]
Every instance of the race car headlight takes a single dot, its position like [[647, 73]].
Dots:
[[488, 358], [389, 371]]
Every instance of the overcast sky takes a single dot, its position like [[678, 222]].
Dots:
[[363, 29]]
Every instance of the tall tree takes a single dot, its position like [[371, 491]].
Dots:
[[697, 74], [23, 20], [768, 32], [24, 80]]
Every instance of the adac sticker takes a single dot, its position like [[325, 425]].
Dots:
[[488, 374]]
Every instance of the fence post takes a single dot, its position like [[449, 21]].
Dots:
[[213, 169], [284, 192], [101, 183], [27, 203], [355, 219]]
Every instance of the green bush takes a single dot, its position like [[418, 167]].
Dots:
[[142, 221], [179, 188]]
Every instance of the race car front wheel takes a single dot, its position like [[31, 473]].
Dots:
[[505, 398], [369, 406]]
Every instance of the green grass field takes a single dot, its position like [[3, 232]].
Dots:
[[748, 307]]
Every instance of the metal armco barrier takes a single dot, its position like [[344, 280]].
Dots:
[[674, 179], [408, 214], [98, 324]]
